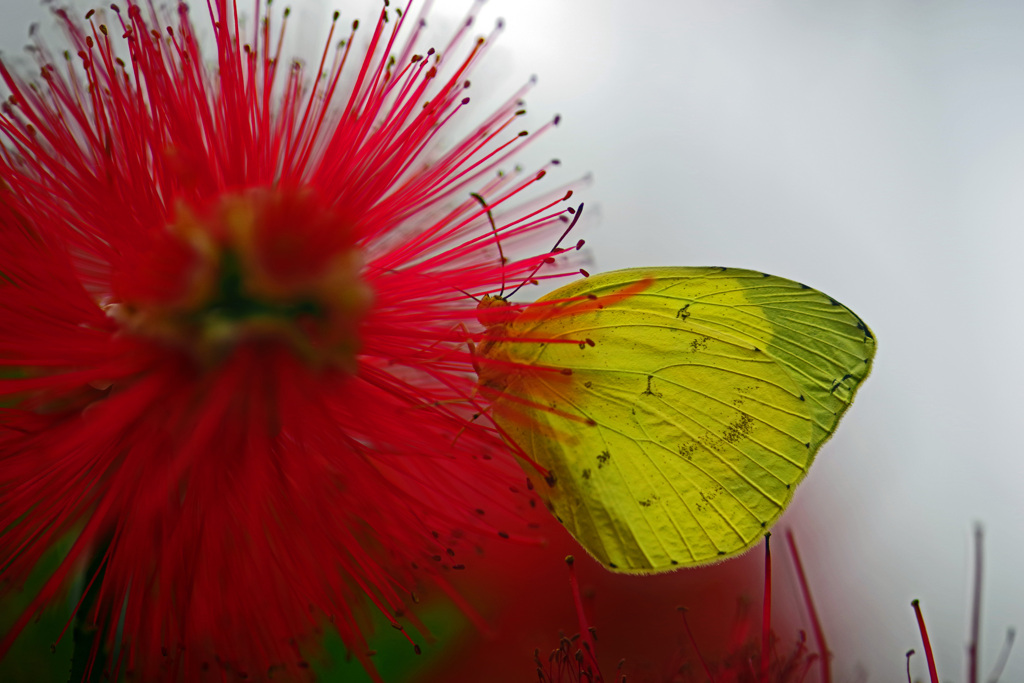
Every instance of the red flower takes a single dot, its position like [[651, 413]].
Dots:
[[231, 312]]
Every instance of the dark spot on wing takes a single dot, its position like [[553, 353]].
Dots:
[[602, 459], [683, 313], [649, 391], [550, 479], [732, 433], [838, 382], [588, 384], [585, 473], [699, 344], [708, 496], [738, 429], [687, 449]]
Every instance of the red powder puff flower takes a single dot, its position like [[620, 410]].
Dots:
[[233, 308]]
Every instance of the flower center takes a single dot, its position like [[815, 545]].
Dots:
[[263, 264]]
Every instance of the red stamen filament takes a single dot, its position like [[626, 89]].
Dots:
[[693, 643], [766, 615], [916, 604], [805, 589], [589, 646]]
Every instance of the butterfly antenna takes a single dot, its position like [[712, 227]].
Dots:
[[497, 239], [577, 212]]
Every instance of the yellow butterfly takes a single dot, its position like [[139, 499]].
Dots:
[[672, 411]]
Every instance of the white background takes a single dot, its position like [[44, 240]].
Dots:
[[871, 149]]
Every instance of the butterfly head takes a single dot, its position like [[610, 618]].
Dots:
[[495, 312]]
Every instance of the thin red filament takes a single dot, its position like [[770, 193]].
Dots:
[[819, 632], [916, 604], [586, 635], [766, 615], [693, 643]]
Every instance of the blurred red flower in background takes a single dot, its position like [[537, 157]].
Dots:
[[231, 312], [524, 593]]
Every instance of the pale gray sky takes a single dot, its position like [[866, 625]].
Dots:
[[873, 150]]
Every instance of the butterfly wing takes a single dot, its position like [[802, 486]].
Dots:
[[674, 409]]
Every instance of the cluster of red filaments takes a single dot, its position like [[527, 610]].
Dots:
[[751, 657], [233, 306]]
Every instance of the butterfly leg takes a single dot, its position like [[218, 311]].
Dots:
[[471, 345]]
